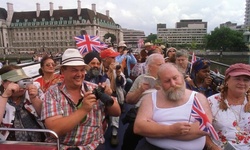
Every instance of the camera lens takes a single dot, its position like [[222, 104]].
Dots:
[[105, 99]]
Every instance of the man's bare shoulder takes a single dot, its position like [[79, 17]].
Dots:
[[201, 96], [147, 96]]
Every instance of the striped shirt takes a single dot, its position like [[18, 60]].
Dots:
[[88, 134]]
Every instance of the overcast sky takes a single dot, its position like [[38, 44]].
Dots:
[[144, 15]]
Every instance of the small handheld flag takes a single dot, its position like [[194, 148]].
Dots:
[[199, 114], [192, 61]]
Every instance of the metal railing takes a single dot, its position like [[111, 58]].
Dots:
[[34, 130]]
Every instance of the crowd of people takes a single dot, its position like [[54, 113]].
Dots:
[[89, 93]]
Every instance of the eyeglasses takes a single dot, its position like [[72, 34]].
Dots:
[[50, 64], [171, 51]]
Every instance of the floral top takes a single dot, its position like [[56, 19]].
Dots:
[[231, 125]]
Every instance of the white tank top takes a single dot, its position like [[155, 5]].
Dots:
[[170, 116]]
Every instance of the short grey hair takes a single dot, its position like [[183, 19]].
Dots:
[[181, 52], [165, 67], [151, 58]]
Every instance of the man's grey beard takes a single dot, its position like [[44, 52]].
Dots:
[[175, 94], [95, 72]]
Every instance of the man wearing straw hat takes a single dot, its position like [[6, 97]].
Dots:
[[72, 110]]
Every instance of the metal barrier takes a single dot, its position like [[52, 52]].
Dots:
[[36, 145]]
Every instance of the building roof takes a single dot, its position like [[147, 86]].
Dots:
[[3, 13], [86, 14]]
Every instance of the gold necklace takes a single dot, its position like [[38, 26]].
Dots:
[[238, 119]]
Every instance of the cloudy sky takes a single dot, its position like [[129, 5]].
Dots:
[[146, 14]]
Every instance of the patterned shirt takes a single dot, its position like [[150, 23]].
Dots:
[[88, 134], [21, 116]]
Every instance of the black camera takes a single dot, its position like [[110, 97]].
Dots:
[[105, 98], [216, 79], [128, 49]]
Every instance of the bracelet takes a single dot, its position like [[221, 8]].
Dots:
[[210, 146], [4, 96]]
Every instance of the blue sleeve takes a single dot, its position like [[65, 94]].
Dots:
[[132, 59], [119, 58]]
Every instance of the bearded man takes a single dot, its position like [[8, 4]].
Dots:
[[164, 116], [94, 73]]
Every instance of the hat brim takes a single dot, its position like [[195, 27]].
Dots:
[[76, 63], [14, 75], [122, 46], [18, 78], [234, 74], [111, 55], [114, 55]]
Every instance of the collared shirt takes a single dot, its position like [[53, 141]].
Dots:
[[86, 135]]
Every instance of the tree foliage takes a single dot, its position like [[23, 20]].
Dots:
[[193, 45], [151, 38], [225, 39], [113, 37]]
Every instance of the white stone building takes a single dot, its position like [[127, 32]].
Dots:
[[52, 30], [185, 32]]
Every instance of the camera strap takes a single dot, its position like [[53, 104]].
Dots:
[[79, 101], [85, 87]]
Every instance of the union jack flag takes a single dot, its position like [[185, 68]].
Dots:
[[86, 43], [199, 114], [103, 46], [140, 43]]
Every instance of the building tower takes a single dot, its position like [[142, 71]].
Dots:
[[247, 14]]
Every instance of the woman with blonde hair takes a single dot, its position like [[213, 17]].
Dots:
[[231, 110]]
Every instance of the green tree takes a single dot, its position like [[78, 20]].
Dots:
[[107, 35], [193, 45], [225, 39], [151, 38], [158, 41]]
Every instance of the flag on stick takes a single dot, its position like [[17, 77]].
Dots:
[[192, 61], [199, 114], [86, 43], [140, 43], [193, 58]]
